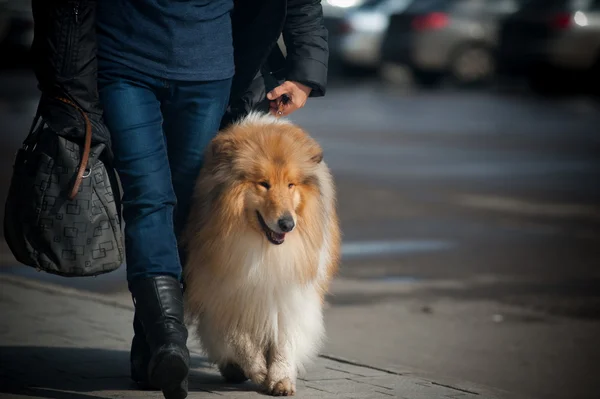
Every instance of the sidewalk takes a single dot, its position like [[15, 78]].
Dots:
[[65, 344]]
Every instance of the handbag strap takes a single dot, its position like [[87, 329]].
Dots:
[[31, 136], [86, 149]]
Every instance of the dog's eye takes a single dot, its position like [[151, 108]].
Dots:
[[291, 185], [265, 184]]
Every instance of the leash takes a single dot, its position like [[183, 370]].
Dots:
[[282, 101]]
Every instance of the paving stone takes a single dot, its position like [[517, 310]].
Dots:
[[385, 382], [358, 371], [346, 389], [56, 345], [345, 386], [324, 373], [414, 389]]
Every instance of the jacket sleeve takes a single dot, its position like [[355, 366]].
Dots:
[[305, 38]]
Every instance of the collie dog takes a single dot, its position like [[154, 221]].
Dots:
[[263, 244]]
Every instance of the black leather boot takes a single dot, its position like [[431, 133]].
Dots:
[[159, 319], [139, 355], [140, 358]]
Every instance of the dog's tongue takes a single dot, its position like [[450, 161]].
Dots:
[[276, 238], [279, 236]]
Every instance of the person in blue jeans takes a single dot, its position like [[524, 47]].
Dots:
[[170, 74]]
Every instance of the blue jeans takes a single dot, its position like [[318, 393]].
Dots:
[[160, 129]]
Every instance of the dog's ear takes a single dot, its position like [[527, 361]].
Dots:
[[220, 152], [222, 148], [318, 157], [316, 153]]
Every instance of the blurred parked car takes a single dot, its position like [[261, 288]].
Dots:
[[334, 12], [362, 31], [435, 38], [552, 42], [337, 8], [4, 19], [17, 18]]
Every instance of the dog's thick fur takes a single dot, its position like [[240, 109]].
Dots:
[[256, 302]]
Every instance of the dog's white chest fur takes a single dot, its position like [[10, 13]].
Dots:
[[265, 303]]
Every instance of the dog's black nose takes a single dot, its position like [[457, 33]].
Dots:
[[286, 223]]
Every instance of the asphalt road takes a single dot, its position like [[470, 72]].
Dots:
[[471, 230]]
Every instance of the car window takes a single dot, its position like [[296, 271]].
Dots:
[[543, 4], [468, 5], [385, 5], [595, 6], [430, 5], [571, 5], [370, 5], [393, 6], [488, 6], [504, 6], [580, 4]]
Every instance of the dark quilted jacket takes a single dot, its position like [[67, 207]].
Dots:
[[260, 64], [64, 59]]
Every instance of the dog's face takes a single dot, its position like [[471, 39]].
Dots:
[[272, 170], [275, 198]]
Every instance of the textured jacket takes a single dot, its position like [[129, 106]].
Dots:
[[64, 61]]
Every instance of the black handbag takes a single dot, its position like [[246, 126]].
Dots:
[[62, 214]]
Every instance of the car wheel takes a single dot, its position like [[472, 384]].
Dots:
[[547, 81], [4, 25], [593, 78], [352, 70], [472, 65], [427, 79]]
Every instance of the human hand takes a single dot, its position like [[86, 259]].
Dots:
[[288, 97]]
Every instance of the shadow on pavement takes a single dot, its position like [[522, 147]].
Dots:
[[84, 373]]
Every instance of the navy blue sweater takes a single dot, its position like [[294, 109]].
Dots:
[[171, 39]]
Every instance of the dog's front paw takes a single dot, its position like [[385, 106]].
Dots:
[[232, 373], [284, 387], [258, 374]]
